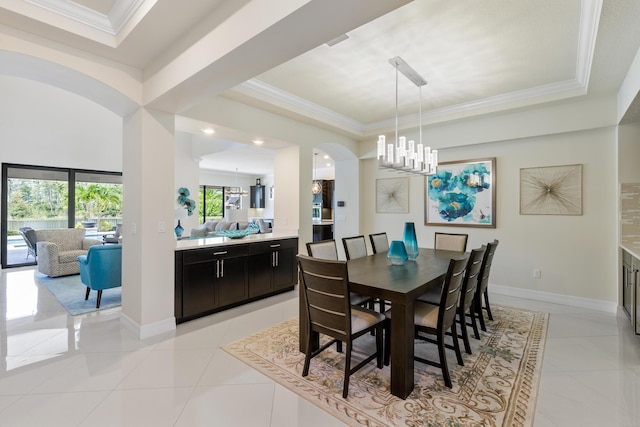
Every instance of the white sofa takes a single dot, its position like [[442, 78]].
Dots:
[[210, 227], [58, 250], [224, 225]]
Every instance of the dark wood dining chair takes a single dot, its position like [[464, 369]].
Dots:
[[482, 292], [327, 249], [356, 247], [379, 242], [451, 241], [467, 296], [325, 284], [323, 249], [437, 320]]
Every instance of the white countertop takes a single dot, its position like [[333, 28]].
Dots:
[[204, 242], [633, 250]]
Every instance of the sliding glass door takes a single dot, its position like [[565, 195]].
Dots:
[[36, 197], [98, 201]]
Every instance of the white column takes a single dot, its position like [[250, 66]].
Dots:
[[148, 210], [292, 185]]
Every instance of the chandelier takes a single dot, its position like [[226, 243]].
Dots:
[[237, 191], [403, 155]]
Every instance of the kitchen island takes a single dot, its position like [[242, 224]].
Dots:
[[216, 273]]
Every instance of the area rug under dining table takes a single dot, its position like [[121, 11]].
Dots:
[[497, 386]]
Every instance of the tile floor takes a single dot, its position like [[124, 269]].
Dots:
[[59, 370]]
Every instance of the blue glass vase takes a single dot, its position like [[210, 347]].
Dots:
[[179, 229], [397, 253], [410, 240]]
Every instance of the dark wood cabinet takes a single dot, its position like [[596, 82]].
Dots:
[[210, 278], [232, 281], [219, 277], [327, 193], [198, 292], [627, 283], [631, 288], [256, 199], [272, 266], [322, 232]]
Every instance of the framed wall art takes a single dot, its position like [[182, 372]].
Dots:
[[551, 190], [462, 193], [392, 195]]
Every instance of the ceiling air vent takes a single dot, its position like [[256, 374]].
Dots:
[[337, 40]]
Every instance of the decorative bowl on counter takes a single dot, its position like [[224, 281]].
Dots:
[[238, 234]]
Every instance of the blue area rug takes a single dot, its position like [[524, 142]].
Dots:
[[70, 291]]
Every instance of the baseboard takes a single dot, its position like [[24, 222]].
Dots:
[[147, 331], [591, 304]]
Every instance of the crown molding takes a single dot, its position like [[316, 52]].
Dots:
[[588, 27], [260, 90], [93, 25], [588, 31], [546, 93], [76, 12], [522, 98]]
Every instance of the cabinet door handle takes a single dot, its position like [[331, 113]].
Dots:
[[217, 269], [222, 268], [220, 253], [277, 257]]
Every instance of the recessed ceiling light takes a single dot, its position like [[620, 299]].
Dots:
[[258, 142], [326, 156], [208, 131], [328, 164]]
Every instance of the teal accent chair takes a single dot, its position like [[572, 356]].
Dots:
[[101, 268]]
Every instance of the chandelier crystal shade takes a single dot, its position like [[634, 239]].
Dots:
[[403, 155]]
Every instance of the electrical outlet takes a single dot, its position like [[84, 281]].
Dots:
[[161, 227], [537, 273]]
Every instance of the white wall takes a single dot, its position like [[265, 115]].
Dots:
[[186, 175], [291, 205], [347, 189], [577, 254], [46, 126]]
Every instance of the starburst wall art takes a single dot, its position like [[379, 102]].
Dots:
[[552, 190], [392, 195], [462, 193]]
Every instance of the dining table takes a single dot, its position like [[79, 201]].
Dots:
[[401, 285]]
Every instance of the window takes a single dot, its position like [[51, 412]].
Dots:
[[211, 203], [41, 197]]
